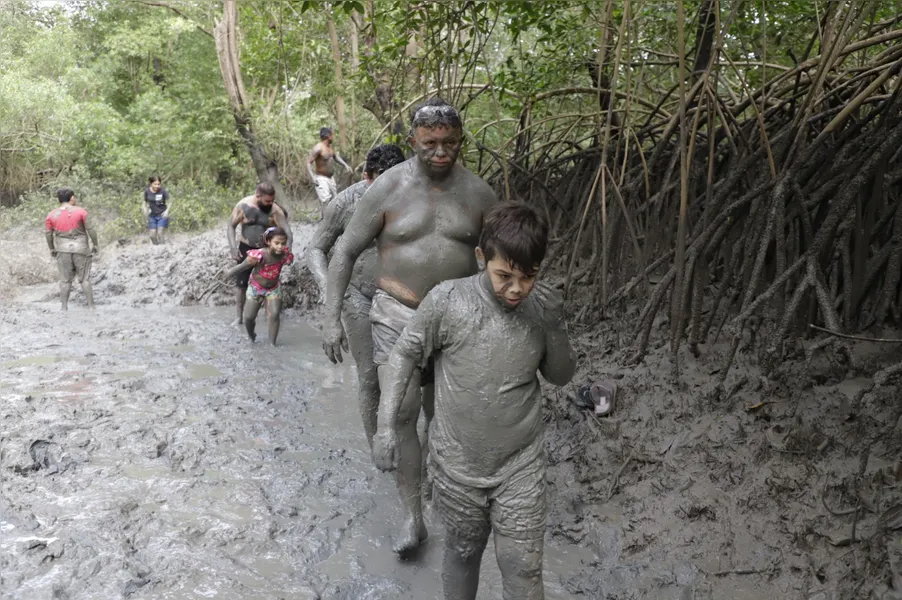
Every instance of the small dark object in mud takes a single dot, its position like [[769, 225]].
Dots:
[[598, 396]]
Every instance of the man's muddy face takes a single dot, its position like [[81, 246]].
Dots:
[[510, 284], [278, 244], [437, 148], [264, 203]]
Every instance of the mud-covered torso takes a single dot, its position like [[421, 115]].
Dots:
[[363, 276], [255, 221], [430, 231], [488, 413], [69, 227]]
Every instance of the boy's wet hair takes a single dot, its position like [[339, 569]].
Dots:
[[382, 158], [273, 232], [516, 233], [325, 132], [433, 113], [64, 195], [265, 188]]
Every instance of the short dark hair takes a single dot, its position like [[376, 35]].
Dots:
[[265, 188], [64, 195], [382, 158], [153, 178], [325, 132], [517, 233], [273, 232], [433, 113]]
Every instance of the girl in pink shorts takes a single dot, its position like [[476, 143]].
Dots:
[[264, 285]]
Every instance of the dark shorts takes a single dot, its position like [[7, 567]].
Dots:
[[242, 278], [389, 317], [157, 222]]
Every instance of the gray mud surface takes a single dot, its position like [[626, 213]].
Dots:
[[149, 451]]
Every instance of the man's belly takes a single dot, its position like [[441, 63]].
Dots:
[[408, 271], [364, 275]]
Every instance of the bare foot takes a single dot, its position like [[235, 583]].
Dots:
[[238, 321], [412, 535], [253, 337]]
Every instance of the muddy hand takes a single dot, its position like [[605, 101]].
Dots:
[[385, 450], [334, 341]]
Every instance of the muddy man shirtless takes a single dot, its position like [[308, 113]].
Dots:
[[425, 216]]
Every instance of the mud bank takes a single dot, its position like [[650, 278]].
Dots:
[[149, 451]]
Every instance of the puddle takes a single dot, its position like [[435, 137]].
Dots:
[[199, 371], [44, 360]]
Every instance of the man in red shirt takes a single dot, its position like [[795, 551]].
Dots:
[[67, 231]]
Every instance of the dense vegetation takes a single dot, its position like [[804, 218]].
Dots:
[[750, 147]]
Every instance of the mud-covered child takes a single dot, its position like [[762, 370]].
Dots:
[[263, 284], [490, 334]]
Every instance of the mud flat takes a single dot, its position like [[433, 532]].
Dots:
[[149, 451]]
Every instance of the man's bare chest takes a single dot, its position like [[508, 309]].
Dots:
[[441, 215]]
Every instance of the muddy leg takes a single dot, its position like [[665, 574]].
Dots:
[[274, 307], [65, 290], [250, 317], [520, 562], [83, 270], [460, 565], [67, 273], [360, 336], [408, 475], [428, 412], [240, 298]]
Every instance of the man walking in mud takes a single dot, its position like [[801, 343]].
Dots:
[[425, 216], [359, 297], [321, 167], [67, 230], [255, 214]]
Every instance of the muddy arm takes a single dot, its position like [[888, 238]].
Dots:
[[232, 223], [247, 264], [419, 340], [341, 161], [48, 235], [327, 233], [559, 362], [364, 228], [168, 204], [92, 233]]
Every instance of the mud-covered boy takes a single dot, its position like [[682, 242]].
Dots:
[[490, 334]]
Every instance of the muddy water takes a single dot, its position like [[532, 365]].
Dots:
[[155, 453]]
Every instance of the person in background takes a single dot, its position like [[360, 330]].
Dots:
[[67, 230], [156, 208], [321, 167]]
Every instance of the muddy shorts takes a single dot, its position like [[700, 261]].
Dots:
[[389, 318], [242, 278], [516, 509], [256, 291], [326, 188], [73, 266]]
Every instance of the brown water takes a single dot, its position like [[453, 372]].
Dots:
[[155, 453]]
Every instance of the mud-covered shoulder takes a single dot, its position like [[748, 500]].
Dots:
[[385, 189]]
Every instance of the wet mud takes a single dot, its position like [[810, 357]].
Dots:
[[148, 451]]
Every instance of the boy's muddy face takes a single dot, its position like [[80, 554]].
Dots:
[[437, 148], [510, 284], [278, 244]]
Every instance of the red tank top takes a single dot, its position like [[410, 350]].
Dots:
[[65, 218]]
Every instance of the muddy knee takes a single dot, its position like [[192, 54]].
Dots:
[[520, 559], [466, 548]]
